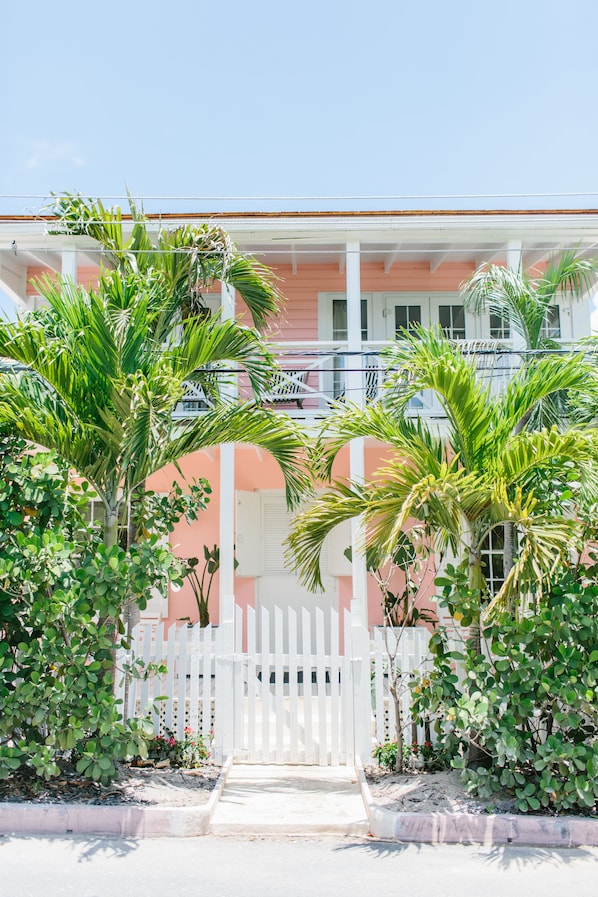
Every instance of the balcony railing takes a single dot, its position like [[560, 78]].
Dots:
[[313, 377]]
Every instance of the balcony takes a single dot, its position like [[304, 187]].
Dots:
[[315, 376]]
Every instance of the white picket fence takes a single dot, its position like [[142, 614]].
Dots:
[[286, 689], [409, 651]]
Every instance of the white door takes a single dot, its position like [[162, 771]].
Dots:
[[278, 585]]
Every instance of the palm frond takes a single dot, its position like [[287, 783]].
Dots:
[[507, 293], [252, 425]]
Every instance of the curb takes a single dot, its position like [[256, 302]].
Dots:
[[123, 821], [470, 828]]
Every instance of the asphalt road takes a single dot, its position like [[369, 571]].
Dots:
[[77, 866]]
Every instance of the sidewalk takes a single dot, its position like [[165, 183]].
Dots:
[[291, 800]]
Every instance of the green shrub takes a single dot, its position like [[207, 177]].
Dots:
[[188, 752], [532, 708], [61, 596], [427, 756]]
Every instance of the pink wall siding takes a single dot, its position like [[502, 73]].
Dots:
[[414, 276], [87, 275]]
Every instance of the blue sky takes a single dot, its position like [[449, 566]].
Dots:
[[315, 98]]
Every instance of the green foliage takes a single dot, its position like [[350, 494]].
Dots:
[[201, 585], [61, 591], [159, 514], [188, 752], [532, 708], [427, 756]]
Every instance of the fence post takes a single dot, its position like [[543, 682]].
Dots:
[[224, 693], [362, 698]]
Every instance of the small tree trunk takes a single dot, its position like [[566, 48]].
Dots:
[[394, 689]]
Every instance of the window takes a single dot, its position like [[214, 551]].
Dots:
[[93, 513], [407, 317], [339, 319], [493, 559], [500, 327], [452, 320], [339, 331], [551, 325]]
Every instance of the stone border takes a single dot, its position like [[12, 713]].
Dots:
[[122, 821], [471, 828]]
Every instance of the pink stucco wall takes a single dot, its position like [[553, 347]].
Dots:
[[253, 471]]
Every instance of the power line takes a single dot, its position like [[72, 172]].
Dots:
[[311, 197]]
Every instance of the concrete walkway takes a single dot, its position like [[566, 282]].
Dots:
[[291, 800]]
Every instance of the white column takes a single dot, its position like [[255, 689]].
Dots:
[[69, 263], [226, 629], [354, 383], [360, 646], [515, 263], [227, 492], [514, 255]]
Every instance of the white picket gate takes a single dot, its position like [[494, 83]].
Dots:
[[282, 692], [293, 697]]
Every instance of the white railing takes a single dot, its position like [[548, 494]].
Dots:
[[314, 376]]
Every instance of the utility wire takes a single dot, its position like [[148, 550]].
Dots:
[[314, 197]]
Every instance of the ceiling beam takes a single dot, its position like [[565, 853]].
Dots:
[[489, 256], [94, 257], [438, 258], [536, 256], [51, 260], [13, 281], [391, 258]]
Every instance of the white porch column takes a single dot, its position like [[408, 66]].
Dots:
[[354, 384], [514, 255], [226, 629], [69, 263], [360, 643], [227, 495], [515, 263]]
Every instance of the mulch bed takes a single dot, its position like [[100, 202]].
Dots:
[[141, 786]]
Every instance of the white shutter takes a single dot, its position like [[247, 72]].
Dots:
[[335, 545], [276, 525]]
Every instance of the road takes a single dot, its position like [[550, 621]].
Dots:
[[77, 866]]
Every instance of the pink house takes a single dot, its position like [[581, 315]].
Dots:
[[351, 281]]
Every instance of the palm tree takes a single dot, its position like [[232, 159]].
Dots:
[[482, 474], [525, 302], [101, 371], [184, 262]]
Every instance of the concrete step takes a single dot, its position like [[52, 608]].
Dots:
[[290, 800]]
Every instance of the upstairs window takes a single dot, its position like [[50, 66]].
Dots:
[[500, 327], [407, 317], [339, 319], [551, 326], [452, 320]]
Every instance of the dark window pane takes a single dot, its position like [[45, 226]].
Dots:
[[401, 318], [551, 326], [407, 317], [500, 327], [444, 318], [452, 320], [339, 319], [498, 538]]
